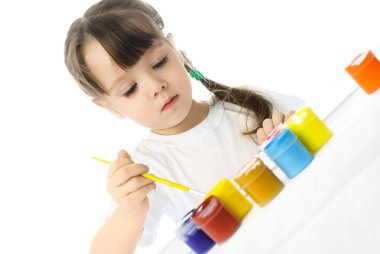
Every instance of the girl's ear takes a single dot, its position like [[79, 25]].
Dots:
[[170, 38], [98, 102], [106, 105]]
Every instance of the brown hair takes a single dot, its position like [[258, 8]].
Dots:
[[126, 29]]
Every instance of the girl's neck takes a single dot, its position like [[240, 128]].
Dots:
[[198, 112]]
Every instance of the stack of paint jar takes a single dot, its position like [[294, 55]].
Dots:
[[226, 205], [216, 219], [291, 147]]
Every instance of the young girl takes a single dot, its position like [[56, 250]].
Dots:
[[118, 54]]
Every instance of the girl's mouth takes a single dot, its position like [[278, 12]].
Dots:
[[169, 103]]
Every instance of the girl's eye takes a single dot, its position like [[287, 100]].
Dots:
[[133, 88], [130, 90], [161, 63]]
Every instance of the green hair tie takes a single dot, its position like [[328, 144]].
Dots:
[[194, 73]]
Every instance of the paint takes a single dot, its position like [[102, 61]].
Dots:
[[194, 237], [365, 70], [258, 181], [309, 129], [289, 154], [231, 198], [215, 219]]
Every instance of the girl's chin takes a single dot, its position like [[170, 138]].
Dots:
[[171, 129], [173, 125]]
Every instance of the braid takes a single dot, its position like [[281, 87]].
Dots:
[[247, 99]]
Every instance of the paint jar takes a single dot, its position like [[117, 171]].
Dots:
[[365, 70], [215, 219], [289, 154], [309, 129], [231, 198], [258, 181], [193, 236]]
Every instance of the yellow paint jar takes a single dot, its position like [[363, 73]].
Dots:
[[231, 198], [309, 129], [258, 181]]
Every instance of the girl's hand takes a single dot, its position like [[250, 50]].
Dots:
[[126, 185], [270, 123]]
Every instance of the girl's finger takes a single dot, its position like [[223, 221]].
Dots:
[[118, 178], [118, 164], [123, 158], [133, 185], [123, 154], [124, 174], [260, 135], [277, 118], [268, 126], [139, 195], [289, 114]]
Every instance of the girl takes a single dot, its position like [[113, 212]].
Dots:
[[118, 54]]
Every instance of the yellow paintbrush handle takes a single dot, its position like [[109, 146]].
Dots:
[[153, 178], [101, 160], [167, 182]]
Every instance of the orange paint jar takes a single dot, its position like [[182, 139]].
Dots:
[[365, 70], [258, 181]]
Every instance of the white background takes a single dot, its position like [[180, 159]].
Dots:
[[53, 196]]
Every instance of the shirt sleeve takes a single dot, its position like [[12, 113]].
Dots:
[[159, 205], [281, 102]]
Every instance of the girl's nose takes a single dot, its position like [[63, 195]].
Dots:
[[159, 88]]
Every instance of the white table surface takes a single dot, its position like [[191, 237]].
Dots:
[[333, 206]]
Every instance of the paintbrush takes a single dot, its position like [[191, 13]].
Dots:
[[161, 180]]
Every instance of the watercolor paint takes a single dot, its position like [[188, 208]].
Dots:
[[289, 154], [365, 70], [194, 237], [215, 219], [309, 129], [258, 181], [231, 198]]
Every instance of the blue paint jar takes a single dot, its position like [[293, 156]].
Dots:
[[288, 153], [193, 236]]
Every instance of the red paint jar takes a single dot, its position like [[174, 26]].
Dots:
[[215, 220]]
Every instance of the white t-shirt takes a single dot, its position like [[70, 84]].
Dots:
[[198, 158]]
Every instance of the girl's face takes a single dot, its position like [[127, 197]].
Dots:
[[155, 93]]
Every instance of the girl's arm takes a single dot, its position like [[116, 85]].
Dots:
[[119, 234]]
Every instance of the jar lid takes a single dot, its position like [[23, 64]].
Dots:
[[365, 70], [360, 62], [250, 172], [186, 225], [302, 117], [280, 144], [207, 211], [224, 188]]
